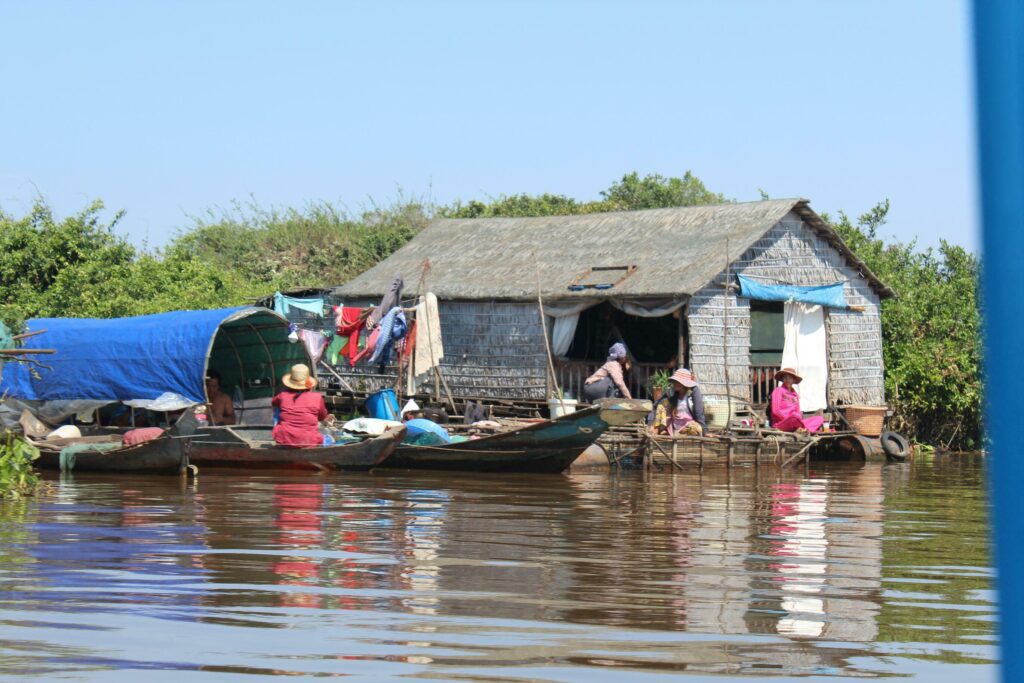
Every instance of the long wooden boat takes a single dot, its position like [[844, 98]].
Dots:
[[166, 454], [250, 446], [549, 446]]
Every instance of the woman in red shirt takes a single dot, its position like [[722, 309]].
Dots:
[[301, 408]]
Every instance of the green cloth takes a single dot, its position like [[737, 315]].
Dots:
[[335, 347], [68, 453], [458, 438]]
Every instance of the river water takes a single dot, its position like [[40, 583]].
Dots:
[[867, 571]]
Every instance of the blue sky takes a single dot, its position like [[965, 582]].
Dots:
[[165, 109]]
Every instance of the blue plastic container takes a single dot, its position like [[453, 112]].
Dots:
[[383, 404]]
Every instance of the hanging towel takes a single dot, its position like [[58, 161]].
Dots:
[[283, 304], [429, 349], [315, 343], [804, 351], [389, 301]]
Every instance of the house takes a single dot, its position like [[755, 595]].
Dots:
[[665, 281]]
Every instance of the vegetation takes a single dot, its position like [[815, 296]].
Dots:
[[80, 266], [931, 332], [16, 476]]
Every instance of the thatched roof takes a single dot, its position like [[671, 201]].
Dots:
[[676, 251]]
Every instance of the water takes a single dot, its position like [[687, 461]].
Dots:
[[871, 571]]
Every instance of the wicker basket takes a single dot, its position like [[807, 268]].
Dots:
[[866, 419]]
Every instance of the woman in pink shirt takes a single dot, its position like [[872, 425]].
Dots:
[[786, 414], [608, 381], [302, 409]]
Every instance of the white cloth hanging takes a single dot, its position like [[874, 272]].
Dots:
[[804, 351], [429, 348], [562, 332]]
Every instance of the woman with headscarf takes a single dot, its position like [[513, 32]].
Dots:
[[608, 381]]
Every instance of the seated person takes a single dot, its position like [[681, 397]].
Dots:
[[681, 410], [417, 425], [608, 380], [221, 409], [785, 405], [302, 409]]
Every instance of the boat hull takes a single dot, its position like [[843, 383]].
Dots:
[[546, 447], [252, 446]]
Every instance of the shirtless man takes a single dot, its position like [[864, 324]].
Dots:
[[222, 410]]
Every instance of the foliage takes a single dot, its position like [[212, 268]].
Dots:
[[656, 191], [16, 476], [273, 249], [931, 332], [658, 380], [632, 192], [80, 267]]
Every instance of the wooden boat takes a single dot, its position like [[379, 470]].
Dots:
[[166, 454], [249, 446], [548, 446]]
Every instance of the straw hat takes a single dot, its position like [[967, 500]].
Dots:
[[684, 377], [788, 371], [299, 378]]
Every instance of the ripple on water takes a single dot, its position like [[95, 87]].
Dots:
[[848, 572]]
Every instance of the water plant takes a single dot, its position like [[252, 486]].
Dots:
[[17, 477]]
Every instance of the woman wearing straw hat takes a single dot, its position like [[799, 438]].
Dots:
[[301, 408], [682, 411], [785, 405], [608, 381]]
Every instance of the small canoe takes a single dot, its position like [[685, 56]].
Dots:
[[548, 446], [253, 445], [166, 454]]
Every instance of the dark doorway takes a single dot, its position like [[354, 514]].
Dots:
[[650, 340]]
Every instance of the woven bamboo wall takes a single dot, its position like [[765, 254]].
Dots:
[[491, 350], [791, 253]]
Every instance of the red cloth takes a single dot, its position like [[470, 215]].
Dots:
[[301, 412], [410, 341], [349, 321], [134, 437], [371, 344]]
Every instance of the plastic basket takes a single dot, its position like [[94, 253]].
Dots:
[[383, 404]]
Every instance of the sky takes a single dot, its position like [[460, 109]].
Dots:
[[168, 109]]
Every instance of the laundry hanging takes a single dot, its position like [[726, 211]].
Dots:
[[283, 304], [429, 346], [823, 295], [804, 351]]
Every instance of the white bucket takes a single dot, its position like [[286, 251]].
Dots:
[[561, 406]]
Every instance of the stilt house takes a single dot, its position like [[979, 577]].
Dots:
[[724, 290]]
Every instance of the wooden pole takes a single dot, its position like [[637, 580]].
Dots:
[[725, 340]]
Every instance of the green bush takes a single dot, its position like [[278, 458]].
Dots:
[[16, 475]]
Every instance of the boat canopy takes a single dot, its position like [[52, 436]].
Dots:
[[150, 357]]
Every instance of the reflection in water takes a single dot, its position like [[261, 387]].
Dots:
[[868, 571]]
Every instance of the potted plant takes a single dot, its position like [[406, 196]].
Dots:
[[657, 384]]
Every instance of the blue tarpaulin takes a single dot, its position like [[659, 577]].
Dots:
[[123, 359], [824, 295]]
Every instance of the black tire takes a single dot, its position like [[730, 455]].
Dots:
[[895, 445]]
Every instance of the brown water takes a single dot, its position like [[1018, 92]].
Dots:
[[879, 570]]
